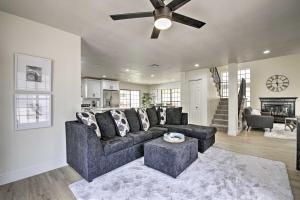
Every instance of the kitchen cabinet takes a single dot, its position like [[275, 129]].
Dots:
[[109, 85], [91, 88]]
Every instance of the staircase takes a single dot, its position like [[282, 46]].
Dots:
[[220, 120]]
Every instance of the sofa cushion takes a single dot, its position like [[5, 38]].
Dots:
[[106, 125], [174, 116], [133, 120], [120, 122], [162, 116], [152, 116], [88, 118], [144, 119], [195, 131], [116, 144], [157, 131], [140, 136]]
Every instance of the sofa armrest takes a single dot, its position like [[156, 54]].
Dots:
[[184, 119], [83, 147], [257, 121]]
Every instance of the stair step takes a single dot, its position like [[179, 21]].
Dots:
[[221, 116], [223, 103], [224, 99], [224, 112], [222, 107], [220, 122], [221, 128]]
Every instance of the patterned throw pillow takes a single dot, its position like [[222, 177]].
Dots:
[[121, 122], [144, 118], [162, 116], [88, 118]]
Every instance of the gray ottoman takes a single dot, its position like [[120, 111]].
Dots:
[[171, 159]]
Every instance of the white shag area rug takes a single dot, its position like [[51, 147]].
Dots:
[[279, 132], [216, 174]]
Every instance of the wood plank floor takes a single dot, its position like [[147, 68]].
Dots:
[[54, 184]]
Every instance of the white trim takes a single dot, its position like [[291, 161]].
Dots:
[[19, 174]]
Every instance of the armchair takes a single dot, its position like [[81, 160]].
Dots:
[[258, 121]]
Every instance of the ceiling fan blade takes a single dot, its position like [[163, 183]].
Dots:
[[132, 15], [187, 20], [157, 3], [155, 33], [175, 4]]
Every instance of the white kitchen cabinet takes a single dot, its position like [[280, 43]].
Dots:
[[91, 88], [109, 85]]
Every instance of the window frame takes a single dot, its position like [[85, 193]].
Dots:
[[131, 102], [171, 94]]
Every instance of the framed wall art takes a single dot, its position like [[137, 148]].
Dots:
[[33, 92], [32, 111], [32, 73]]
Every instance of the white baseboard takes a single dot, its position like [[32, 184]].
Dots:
[[19, 174]]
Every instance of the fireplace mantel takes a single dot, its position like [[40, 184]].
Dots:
[[279, 107]]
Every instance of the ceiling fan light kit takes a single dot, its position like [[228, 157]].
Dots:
[[163, 18], [163, 15]]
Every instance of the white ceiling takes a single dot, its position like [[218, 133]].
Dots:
[[236, 30]]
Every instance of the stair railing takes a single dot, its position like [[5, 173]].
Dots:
[[242, 94], [216, 78]]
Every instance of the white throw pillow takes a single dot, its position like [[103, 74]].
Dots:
[[88, 118], [162, 116], [121, 122], [255, 112], [144, 119]]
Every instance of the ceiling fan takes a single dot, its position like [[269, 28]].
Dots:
[[163, 16]]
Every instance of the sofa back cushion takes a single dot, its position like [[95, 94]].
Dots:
[[152, 116], [144, 119], [247, 111], [174, 116], [106, 125], [133, 120], [120, 122]]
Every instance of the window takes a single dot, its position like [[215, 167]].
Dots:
[[135, 99], [129, 98], [166, 96], [171, 97], [175, 97], [243, 73]]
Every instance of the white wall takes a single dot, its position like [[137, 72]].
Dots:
[[171, 85], [261, 70], [25, 153]]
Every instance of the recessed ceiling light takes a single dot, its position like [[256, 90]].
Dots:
[[152, 75], [196, 65], [103, 76], [267, 51], [127, 70]]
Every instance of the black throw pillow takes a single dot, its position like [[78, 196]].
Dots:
[[106, 125], [133, 120], [152, 116], [174, 116]]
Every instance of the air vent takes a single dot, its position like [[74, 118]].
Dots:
[[154, 66]]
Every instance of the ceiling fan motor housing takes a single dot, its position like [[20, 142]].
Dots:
[[163, 12]]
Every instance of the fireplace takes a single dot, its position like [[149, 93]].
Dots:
[[279, 107]]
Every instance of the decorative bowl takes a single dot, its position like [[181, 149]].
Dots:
[[174, 137]]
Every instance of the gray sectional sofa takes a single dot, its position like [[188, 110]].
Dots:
[[92, 157]]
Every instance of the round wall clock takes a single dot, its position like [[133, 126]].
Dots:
[[277, 83]]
